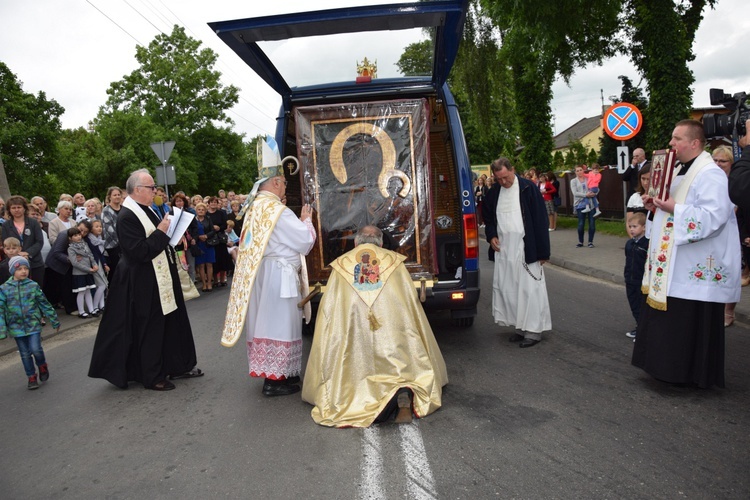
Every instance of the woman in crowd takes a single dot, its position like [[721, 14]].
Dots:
[[580, 193], [223, 263], [234, 216], [635, 202], [724, 158], [62, 222], [204, 264], [91, 207], [19, 225], [109, 226], [35, 214], [58, 276]]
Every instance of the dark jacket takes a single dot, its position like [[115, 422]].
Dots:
[[32, 239], [739, 181], [632, 178], [635, 259], [57, 258], [535, 221]]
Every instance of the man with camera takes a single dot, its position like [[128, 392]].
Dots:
[[692, 269], [739, 177]]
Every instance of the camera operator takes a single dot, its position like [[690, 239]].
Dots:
[[739, 192], [739, 177]]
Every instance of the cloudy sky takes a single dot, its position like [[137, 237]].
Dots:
[[74, 49]]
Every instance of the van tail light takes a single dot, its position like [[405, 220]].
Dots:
[[471, 247]]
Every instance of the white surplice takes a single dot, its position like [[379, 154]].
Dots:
[[519, 290], [274, 323]]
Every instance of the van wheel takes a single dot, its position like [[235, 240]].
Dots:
[[463, 322]]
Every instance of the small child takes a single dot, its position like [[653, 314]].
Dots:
[[96, 244], [232, 240], [11, 248], [83, 272], [636, 251], [22, 304], [593, 178]]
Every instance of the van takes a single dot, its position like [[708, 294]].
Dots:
[[384, 150]]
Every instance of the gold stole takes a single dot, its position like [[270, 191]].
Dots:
[[656, 276], [256, 231], [367, 268], [160, 262]]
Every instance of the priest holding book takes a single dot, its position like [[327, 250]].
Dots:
[[693, 269]]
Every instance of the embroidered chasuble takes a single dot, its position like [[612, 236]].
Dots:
[[371, 339], [259, 224]]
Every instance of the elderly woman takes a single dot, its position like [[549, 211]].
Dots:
[[29, 233], [92, 209], [580, 194], [724, 158], [62, 222], [223, 262], [191, 235]]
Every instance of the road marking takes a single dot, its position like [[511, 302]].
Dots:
[[371, 481], [420, 483]]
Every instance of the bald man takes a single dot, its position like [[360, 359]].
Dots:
[[631, 174]]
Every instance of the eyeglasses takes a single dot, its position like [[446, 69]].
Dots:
[[152, 188]]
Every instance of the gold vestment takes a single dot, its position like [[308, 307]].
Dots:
[[371, 338]]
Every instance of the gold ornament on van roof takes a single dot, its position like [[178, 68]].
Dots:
[[367, 68]]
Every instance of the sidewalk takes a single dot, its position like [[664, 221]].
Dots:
[[605, 262]]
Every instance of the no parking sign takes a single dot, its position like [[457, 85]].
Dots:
[[622, 121]]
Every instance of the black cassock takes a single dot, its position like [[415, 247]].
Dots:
[[135, 341]]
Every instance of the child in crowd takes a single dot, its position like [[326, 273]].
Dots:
[[232, 240], [22, 304], [548, 194], [593, 178], [95, 241], [11, 248], [636, 251], [84, 268]]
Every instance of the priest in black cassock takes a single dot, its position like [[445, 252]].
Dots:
[[144, 335]]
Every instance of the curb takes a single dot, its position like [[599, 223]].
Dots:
[[11, 344]]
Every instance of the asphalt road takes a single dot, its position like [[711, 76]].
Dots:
[[568, 418]]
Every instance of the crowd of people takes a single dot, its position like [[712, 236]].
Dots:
[[72, 251]]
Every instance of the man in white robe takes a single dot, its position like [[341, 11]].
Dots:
[[266, 286], [517, 228], [693, 269]]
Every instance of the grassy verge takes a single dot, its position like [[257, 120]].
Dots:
[[614, 227]]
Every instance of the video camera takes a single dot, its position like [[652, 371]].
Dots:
[[727, 125]]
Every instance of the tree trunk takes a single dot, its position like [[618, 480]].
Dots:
[[4, 188]]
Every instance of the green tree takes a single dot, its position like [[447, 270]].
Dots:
[[558, 161], [29, 127], [541, 40], [416, 59], [175, 85], [661, 40]]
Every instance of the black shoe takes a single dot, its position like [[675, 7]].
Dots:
[[516, 337], [528, 343], [278, 388], [164, 385], [292, 380]]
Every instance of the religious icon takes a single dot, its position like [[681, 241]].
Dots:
[[662, 171]]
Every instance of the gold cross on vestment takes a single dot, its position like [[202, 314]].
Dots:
[[710, 261]]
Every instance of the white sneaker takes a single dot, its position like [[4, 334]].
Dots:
[[586, 210], [630, 334], [597, 213]]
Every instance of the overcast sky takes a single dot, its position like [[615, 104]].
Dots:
[[73, 49]]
